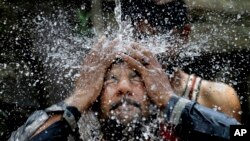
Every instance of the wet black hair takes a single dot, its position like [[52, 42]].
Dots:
[[163, 17], [118, 60]]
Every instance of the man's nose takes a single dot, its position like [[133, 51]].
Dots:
[[124, 87]]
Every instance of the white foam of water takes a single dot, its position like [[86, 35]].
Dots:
[[63, 51]]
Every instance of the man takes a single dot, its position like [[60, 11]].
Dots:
[[170, 18], [125, 89]]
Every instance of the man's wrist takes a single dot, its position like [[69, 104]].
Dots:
[[174, 109], [161, 102], [74, 102], [71, 115]]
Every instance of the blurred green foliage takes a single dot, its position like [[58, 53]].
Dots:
[[84, 26]]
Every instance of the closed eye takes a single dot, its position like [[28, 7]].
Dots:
[[135, 76], [110, 80]]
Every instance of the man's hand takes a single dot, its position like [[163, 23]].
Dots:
[[90, 81], [155, 79]]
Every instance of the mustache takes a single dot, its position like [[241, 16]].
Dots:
[[127, 101]]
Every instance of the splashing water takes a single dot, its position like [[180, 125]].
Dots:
[[63, 51], [156, 43]]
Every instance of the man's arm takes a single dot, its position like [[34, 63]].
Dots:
[[192, 121], [62, 121], [62, 118], [207, 93], [195, 122]]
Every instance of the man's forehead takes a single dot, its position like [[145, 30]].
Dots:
[[121, 65], [118, 70]]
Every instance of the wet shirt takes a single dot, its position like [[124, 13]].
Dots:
[[190, 121]]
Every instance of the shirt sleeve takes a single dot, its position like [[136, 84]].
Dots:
[[70, 117], [193, 121], [24, 132], [58, 131]]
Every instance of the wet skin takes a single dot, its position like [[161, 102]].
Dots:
[[124, 95]]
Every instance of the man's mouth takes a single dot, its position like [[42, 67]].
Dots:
[[125, 102]]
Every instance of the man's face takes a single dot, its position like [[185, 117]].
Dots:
[[124, 96]]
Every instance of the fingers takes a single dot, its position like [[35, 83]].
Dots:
[[151, 58], [105, 46], [149, 61], [134, 63], [136, 46], [109, 59], [99, 44], [111, 46], [144, 51], [138, 56]]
